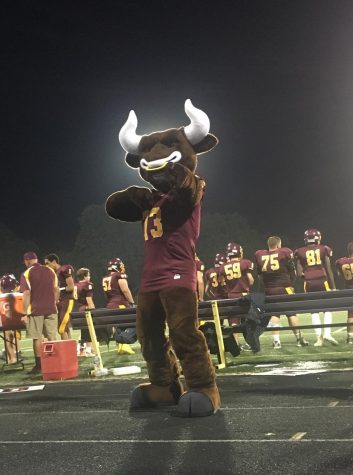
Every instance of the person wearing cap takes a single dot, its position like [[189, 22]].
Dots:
[[39, 285]]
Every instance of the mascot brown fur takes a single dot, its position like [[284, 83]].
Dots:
[[170, 214]]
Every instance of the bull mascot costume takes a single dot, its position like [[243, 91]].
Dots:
[[170, 215]]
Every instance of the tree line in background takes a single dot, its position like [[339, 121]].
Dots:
[[101, 238]]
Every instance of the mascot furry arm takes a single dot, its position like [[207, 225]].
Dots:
[[170, 212]]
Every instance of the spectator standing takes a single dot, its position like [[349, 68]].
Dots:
[[39, 285]]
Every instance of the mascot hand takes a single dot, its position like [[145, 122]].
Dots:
[[129, 205], [187, 187]]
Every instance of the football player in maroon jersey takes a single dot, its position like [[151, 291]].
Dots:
[[118, 294], [200, 268], [83, 294], [215, 284], [313, 264], [9, 283], [276, 271], [65, 275], [237, 275], [344, 267]]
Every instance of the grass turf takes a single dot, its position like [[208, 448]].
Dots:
[[288, 359]]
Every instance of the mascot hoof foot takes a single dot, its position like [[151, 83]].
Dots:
[[139, 400], [195, 404], [149, 396]]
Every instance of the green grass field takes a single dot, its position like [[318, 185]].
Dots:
[[288, 360]]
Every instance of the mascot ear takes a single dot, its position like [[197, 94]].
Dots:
[[206, 144], [132, 160]]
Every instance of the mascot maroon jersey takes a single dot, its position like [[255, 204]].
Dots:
[[63, 273], [344, 266], [275, 267], [113, 293], [235, 276], [312, 258], [216, 285], [84, 289], [170, 232]]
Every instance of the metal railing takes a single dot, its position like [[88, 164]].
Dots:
[[219, 310]]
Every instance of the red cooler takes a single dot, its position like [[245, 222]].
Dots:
[[11, 311], [59, 360]]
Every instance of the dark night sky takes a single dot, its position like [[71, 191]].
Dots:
[[275, 78]]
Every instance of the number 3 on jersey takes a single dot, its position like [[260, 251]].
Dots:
[[153, 227]]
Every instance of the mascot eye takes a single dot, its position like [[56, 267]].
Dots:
[[169, 143]]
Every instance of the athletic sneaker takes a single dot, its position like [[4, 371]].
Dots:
[[319, 341], [276, 345], [302, 342], [124, 349], [245, 347], [331, 340]]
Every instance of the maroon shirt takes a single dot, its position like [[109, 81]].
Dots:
[[216, 285], [312, 258], [345, 268], [83, 289], [275, 267], [112, 290], [170, 232], [235, 276], [63, 273], [41, 282]]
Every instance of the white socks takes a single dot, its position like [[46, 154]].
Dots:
[[327, 321], [315, 319]]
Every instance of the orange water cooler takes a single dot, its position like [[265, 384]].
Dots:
[[59, 360], [11, 311]]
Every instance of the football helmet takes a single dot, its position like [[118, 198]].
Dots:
[[8, 283], [116, 265], [234, 250], [219, 260], [312, 236]]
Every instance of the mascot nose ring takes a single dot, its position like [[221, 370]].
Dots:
[[161, 162]]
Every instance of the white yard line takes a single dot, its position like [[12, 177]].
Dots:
[[223, 409], [172, 441]]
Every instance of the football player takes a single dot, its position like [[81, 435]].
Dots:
[[236, 273], [215, 285], [276, 271], [200, 268], [65, 275], [83, 294], [344, 267], [313, 264], [9, 283], [117, 292]]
